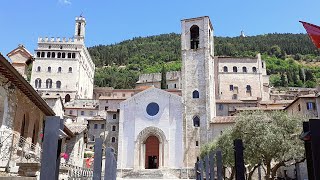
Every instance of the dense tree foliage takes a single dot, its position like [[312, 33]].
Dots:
[[286, 55], [270, 139]]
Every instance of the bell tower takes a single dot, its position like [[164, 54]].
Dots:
[[80, 28], [197, 85]]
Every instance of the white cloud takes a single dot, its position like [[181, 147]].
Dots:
[[65, 2]]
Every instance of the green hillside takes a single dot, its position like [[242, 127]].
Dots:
[[292, 59]]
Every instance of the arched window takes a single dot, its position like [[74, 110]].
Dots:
[[73, 55], [248, 88], [38, 68], [59, 69], [49, 83], [113, 128], [37, 83], [38, 54], [67, 98], [244, 69], [195, 94], [63, 55], [59, 54], [225, 69], [70, 69], [235, 69], [254, 69], [48, 54], [196, 121], [114, 116], [53, 55], [79, 29], [113, 139], [58, 84], [49, 69], [69, 55], [194, 37], [42, 54]]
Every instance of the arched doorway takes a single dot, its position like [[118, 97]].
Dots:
[[152, 153], [153, 140]]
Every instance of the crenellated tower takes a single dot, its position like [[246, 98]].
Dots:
[[197, 84]]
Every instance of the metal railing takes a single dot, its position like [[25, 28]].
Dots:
[[76, 172]]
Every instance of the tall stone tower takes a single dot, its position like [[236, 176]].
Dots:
[[63, 66], [197, 84], [80, 28]]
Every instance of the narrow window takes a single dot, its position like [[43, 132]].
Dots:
[[175, 86], [235, 69], [244, 69], [59, 54], [254, 69], [92, 139], [102, 126], [248, 88], [197, 143], [38, 68], [53, 55], [114, 116], [262, 63], [231, 87], [195, 94], [49, 69], [225, 69], [38, 83], [113, 139], [48, 83], [48, 54], [38, 54], [70, 69], [42, 54], [299, 107], [220, 106], [194, 37], [196, 121], [58, 83], [113, 128], [73, 55], [82, 113], [63, 55], [67, 98], [79, 29], [59, 69], [69, 55]]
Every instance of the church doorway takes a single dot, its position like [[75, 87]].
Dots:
[[152, 153]]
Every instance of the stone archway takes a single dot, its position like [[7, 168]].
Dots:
[[140, 148]]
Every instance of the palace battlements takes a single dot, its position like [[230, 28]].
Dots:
[[58, 40]]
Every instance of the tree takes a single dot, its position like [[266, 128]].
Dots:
[[284, 82], [267, 137], [163, 78]]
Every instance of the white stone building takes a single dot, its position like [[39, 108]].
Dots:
[[64, 66]]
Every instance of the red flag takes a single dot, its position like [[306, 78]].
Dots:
[[313, 32]]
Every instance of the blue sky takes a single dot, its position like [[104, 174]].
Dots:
[[111, 21]]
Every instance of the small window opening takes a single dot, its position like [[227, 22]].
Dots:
[[195, 94], [254, 69], [196, 121], [225, 69], [244, 69], [235, 69]]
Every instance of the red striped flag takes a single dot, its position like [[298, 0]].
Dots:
[[313, 32]]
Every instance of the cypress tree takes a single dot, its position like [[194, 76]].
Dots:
[[163, 78]]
